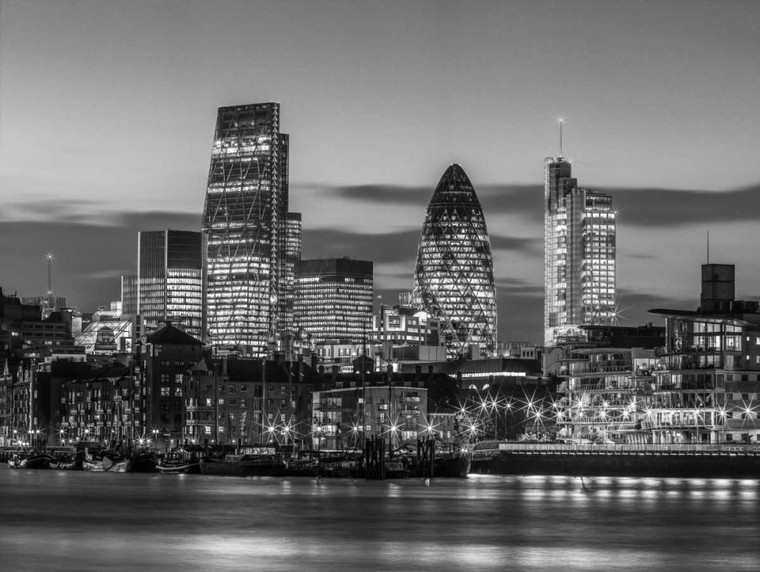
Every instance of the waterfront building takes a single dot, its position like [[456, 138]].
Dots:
[[481, 374], [700, 386], [453, 277], [579, 255], [245, 220], [243, 402], [334, 299], [93, 404], [164, 359], [395, 411], [170, 280]]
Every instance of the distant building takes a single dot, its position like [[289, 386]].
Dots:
[[579, 255], [48, 304], [129, 294], [170, 280], [107, 336], [246, 222], [334, 298], [293, 239], [453, 277]]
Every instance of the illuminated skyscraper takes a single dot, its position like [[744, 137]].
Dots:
[[453, 279], [245, 220], [579, 255], [170, 280], [334, 298], [292, 248]]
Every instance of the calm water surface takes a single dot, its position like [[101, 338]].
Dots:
[[57, 520]]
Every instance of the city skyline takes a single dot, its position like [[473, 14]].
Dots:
[[650, 119]]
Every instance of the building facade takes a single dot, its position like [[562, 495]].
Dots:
[[334, 299], [701, 386], [245, 220], [453, 278], [170, 280], [579, 255], [394, 411]]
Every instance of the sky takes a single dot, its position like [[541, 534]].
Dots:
[[107, 114]]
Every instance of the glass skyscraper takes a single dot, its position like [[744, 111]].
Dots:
[[579, 255], [334, 299], [453, 278], [245, 220], [170, 279]]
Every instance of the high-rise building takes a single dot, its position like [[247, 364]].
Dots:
[[292, 247], [579, 255], [170, 277], [245, 219], [453, 278], [334, 298]]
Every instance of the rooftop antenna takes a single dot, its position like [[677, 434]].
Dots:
[[708, 247], [50, 257], [560, 120]]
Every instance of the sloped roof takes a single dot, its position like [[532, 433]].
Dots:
[[170, 334]]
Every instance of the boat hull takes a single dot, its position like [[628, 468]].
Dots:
[[220, 467], [263, 467], [185, 467]]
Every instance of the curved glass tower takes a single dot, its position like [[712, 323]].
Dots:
[[453, 279]]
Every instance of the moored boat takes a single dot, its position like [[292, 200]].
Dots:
[[455, 464], [178, 462], [143, 462], [227, 465], [116, 464], [263, 466], [31, 461]]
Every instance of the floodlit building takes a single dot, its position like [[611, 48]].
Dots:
[[245, 220], [701, 386], [170, 279], [453, 278], [293, 240], [579, 255], [334, 298]]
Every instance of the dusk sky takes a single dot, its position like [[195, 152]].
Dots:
[[107, 113]]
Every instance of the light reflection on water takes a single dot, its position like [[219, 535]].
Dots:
[[86, 521]]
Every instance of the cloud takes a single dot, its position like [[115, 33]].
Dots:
[[640, 207]]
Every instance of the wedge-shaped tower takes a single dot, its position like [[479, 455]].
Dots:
[[453, 279], [244, 219]]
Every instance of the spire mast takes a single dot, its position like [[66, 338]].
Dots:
[[50, 272], [560, 120]]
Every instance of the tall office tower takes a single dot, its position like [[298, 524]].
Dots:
[[129, 294], [334, 298], [579, 255], [291, 257], [453, 279], [245, 221], [170, 277]]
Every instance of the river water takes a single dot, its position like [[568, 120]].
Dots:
[[58, 520]]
